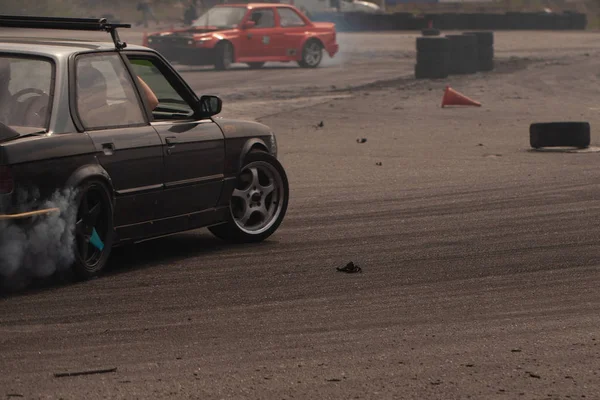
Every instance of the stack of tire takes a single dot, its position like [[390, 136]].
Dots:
[[485, 50], [433, 58], [464, 57], [438, 57]]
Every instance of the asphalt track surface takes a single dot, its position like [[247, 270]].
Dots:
[[480, 258]]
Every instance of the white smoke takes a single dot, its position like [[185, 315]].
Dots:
[[42, 245]]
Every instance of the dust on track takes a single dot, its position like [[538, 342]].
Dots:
[[480, 260]]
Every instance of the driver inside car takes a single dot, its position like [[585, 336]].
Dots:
[[150, 96], [94, 108]]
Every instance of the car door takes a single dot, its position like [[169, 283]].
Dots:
[[292, 29], [257, 42], [193, 149], [109, 109]]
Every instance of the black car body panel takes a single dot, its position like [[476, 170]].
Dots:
[[165, 176]]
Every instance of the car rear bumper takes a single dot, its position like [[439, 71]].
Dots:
[[333, 49], [28, 215]]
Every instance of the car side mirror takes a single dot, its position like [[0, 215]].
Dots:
[[209, 106], [248, 25]]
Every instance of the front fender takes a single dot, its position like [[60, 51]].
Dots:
[[249, 146]]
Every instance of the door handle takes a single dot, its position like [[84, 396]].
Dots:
[[171, 141], [108, 148]]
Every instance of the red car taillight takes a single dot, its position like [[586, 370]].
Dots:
[[6, 181]]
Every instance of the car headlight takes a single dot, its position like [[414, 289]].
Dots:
[[273, 145], [200, 42]]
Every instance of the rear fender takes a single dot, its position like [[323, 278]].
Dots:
[[306, 40], [90, 171], [309, 38]]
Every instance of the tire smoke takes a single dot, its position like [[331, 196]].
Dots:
[[40, 246]]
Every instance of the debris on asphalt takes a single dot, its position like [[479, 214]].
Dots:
[[14, 395], [379, 163], [516, 350], [90, 372], [350, 268], [532, 375], [333, 380], [321, 124], [361, 140]]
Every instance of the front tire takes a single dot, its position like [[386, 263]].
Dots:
[[94, 229], [258, 203], [223, 56], [312, 54]]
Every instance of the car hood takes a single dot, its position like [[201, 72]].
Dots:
[[367, 4], [191, 31], [233, 128]]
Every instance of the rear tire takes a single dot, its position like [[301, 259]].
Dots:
[[94, 229], [258, 203], [312, 54]]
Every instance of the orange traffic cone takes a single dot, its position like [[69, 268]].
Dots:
[[454, 98], [145, 39]]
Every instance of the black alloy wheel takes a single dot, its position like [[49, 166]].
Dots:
[[93, 229]]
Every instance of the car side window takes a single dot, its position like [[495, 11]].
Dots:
[[170, 100], [289, 18], [263, 18], [105, 93]]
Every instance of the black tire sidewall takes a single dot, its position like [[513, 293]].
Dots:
[[78, 266], [559, 134], [220, 56]]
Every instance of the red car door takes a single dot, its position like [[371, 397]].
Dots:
[[256, 43], [292, 28]]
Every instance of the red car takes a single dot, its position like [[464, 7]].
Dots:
[[248, 33]]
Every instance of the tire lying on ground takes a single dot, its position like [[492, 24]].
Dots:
[[559, 134], [433, 58], [485, 50], [463, 54]]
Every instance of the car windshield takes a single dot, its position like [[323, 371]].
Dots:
[[25, 91], [221, 17]]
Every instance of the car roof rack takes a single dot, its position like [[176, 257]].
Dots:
[[76, 24]]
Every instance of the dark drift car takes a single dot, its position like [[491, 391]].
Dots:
[[143, 154]]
